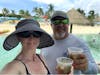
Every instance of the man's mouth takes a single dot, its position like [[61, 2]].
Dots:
[[60, 29]]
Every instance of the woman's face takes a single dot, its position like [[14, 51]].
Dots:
[[29, 39], [30, 42]]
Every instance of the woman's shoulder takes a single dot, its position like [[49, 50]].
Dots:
[[13, 67], [14, 64]]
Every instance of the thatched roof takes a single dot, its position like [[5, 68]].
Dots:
[[76, 18]]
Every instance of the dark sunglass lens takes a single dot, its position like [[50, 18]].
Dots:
[[65, 21], [56, 22], [25, 34], [37, 34]]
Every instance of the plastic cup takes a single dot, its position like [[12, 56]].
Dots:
[[74, 52], [64, 65]]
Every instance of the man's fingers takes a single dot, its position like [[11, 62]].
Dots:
[[80, 61], [82, 66]]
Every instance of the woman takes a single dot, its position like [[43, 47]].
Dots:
[[31, 36]]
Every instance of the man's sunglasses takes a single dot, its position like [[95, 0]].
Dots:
[[57, 22], [27, 34]]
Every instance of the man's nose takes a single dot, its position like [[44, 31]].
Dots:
[[60, 25]]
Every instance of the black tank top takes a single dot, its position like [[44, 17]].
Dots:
[[41, 61]]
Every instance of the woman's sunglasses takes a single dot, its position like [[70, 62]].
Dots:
[[27, 34], [57, 22]]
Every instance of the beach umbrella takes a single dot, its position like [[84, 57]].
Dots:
[[76, 18]]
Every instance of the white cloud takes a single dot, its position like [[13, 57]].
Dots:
[[94, 5], [59, 4], [68, 4], [0, 9], [50, 1], [64, 4], [89, 5]]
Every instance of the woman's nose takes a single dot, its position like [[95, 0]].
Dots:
[[31, 36]]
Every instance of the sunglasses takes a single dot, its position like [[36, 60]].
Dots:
[[27, 34], [57, 22]]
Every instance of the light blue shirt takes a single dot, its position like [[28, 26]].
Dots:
[[59, 49]]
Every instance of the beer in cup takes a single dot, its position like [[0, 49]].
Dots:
[[64, 65], [74, 52]]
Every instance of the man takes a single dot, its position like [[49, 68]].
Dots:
[[64, 40]]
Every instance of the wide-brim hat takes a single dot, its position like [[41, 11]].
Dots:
[[12, 41]]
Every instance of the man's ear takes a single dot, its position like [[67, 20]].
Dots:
[[51, 25]]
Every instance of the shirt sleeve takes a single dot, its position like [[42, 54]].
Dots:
[[92, 69], [92, 66]]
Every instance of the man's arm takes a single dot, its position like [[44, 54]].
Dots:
[[92, 66]]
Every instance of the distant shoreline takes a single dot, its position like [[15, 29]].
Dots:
[[77, 29]]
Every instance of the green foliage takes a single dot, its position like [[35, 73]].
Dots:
[[5, 11], [25, 13], [91, 17], [81, 11], [50, 10], [1, 15], [38, 11]]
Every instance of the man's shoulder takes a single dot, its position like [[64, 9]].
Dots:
[[75, 37], [72, 36]]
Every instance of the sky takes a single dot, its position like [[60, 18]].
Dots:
[[64, 5]]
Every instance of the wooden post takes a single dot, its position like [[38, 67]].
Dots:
[[71, 27]]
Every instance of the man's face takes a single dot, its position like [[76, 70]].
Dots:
[[60, 27]]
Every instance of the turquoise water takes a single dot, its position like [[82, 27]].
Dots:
[[92, 40], [7, 56]]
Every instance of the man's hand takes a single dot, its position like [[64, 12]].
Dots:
[[80, 63]]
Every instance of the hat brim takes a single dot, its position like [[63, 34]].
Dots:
[[12, 41]]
